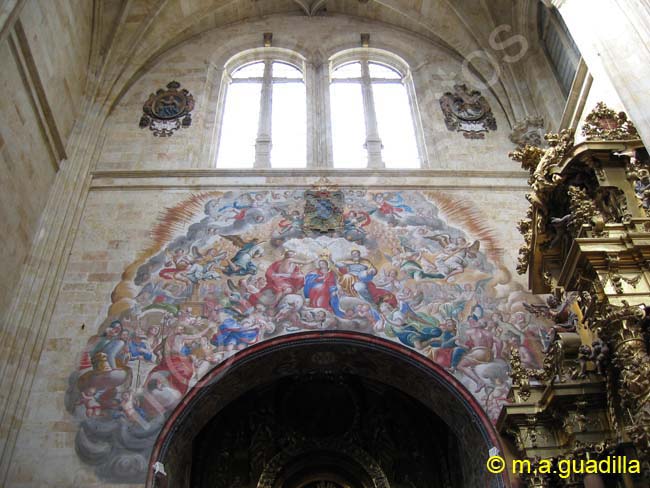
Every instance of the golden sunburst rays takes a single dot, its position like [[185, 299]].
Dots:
[[171, 222], [174, 220], [471, 219]]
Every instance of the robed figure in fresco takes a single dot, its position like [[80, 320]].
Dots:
[[356, 275], [320, 287], [242, 263], [282, 278], [412, 329], [170, 379]]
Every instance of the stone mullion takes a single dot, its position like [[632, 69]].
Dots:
[[325, 140], [373, 142], [263, 140], [316, 88]]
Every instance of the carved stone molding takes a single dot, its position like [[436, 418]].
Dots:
[[311, 7], [528, 132]]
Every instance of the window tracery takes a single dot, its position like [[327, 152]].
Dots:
[[389, 138], [357, 111], [270, 91]]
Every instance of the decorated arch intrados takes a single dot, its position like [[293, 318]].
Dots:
[[353, 353]]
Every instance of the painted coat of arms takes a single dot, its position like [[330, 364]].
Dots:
[[167, 110], [324, 210], [467, 112]]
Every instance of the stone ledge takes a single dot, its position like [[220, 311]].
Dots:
[[226, 178]]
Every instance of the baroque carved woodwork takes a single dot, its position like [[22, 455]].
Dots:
[[638, 172], [604, 124], [587, 243]]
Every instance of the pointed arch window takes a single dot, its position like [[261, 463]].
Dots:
[[272, 93], [373, 116]]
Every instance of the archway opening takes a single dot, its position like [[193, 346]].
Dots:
[[326, 410], [325, 430]]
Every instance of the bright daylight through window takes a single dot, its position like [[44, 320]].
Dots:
[[372, 122], [371, 114], [264, 120]]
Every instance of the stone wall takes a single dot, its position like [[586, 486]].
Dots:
[[198, 66], [45, 66]]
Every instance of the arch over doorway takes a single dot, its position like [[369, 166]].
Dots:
[[362, 355]]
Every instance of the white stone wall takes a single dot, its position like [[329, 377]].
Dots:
[[44, 59], [45, 452]]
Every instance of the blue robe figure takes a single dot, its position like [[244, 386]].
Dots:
[[233, 334], [242, 264], [446, 342], [140, 349], [413, 330]]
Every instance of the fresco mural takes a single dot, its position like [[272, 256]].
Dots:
[[231, 269]]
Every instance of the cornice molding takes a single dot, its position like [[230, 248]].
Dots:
[[9, 13], [206, 179], [333, 173]]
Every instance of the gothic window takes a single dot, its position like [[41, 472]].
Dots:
[[373, 116], [271, 93]]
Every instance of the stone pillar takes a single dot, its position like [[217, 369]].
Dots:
[[612, 36], [318, 114], [263, 141], [373, 142]]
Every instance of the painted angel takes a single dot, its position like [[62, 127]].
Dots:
[[241, 263], [456, 254]]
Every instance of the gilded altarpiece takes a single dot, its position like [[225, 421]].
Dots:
[[586, 244]]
